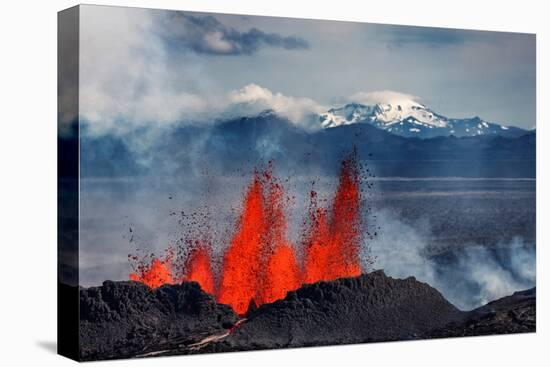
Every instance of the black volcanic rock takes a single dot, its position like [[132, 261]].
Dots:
[[128, 319], [512, 314], [369, 308], [124, 319]]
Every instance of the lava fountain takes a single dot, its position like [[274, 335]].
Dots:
[[279, 272], [198, 267], [155, 273], [260, 264], [242, 260]]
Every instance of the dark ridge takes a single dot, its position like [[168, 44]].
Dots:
[[125, 319], [128, 319], [508, 315], [369, 308]]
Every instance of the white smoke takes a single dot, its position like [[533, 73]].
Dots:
[[477, 275], [131, 80]]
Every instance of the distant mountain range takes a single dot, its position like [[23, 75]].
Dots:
[[409, 118], [238, 145]]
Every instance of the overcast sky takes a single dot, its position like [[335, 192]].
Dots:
[[142, 66]]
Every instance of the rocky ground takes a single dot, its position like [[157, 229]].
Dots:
[[508, 315], [368, 308], [127, 319]]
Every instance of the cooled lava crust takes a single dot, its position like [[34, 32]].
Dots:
[[129, 319]]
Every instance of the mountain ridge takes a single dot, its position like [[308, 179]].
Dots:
[[412, 119], [239, 144]]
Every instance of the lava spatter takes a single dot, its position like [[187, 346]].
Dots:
[[259, 264]]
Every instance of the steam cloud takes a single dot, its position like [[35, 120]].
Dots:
[[469, 277], [136, 79]]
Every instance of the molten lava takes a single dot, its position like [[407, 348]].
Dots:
[[155, 274], [242, 260], [260, 265], [317, 244], [280, 271], [199, 268], [332, 244], [345, 225]]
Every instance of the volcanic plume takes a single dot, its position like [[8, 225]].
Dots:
[[260, 265]]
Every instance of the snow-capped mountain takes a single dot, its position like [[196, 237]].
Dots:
[[409, 118]]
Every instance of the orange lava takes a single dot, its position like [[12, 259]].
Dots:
[[260, 265], [154, 275], [199, 268], [241, 264], [281, 270], [345, 225], [317, 244]]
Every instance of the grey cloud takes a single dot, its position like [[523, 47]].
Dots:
[[207, 35], [400, 36]]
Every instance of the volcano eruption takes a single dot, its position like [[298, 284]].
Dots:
[[199, 267], [260, 264], [155, 273]]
